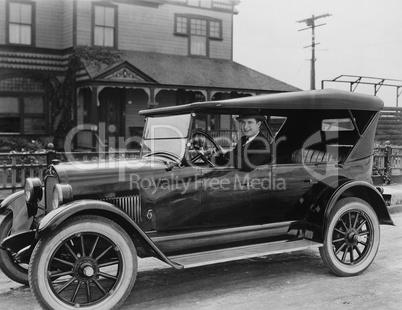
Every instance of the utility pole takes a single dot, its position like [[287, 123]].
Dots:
[[311, 24]]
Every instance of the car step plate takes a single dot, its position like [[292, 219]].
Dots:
[[242, 252]]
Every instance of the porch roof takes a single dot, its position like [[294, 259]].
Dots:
[[165, 69]]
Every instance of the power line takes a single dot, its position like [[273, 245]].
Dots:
[[311, 25]]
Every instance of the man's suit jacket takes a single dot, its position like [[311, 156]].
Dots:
[[247, 157]]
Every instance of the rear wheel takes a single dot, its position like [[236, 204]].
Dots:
[[15, 271], [87, 262], [352, 237]]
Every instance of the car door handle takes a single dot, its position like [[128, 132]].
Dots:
[[310, 181]]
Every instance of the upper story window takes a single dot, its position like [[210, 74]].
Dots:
[[104, 26], [20, 22], [199, 31]]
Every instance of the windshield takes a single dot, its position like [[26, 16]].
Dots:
[[167, 134]]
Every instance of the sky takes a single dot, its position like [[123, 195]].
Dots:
[[361, 37]]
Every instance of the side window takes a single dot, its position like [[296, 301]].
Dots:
[[339, 136], [9, 115], [23, 107], [34, 114], [337, 124], [23, 114], [20, 22], [104, 25]]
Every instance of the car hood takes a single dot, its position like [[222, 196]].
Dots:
[[106, 176]]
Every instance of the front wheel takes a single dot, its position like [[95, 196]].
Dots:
[[352, 237], [87, 262], [15, 271]]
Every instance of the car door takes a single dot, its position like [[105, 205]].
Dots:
[[177, 198], [259, 187], [291, 182], [225, 197]]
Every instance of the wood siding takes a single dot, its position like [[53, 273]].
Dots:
[[3, 27], [84, 23], [140, 28], [68, 24], [49, 24], [151, 29]]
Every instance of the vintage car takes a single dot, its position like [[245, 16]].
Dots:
[[76, 236]]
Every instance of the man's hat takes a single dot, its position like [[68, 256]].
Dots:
[[255, 115]]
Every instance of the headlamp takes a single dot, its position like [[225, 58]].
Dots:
[[33, 189], [62, 193]]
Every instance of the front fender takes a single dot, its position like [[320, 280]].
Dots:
[[58, 216], [16, 203], [54, 218], [10, 200]]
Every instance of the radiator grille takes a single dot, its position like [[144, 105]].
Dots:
[[129, 204]]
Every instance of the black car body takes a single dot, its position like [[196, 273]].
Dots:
[[181, 204]]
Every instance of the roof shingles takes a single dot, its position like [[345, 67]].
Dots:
[[168, 69]]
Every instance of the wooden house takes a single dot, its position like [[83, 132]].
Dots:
[[133, 55]]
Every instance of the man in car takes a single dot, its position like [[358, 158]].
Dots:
[[253, 148]]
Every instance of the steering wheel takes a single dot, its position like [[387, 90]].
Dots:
[[201, 147], [168, 155]]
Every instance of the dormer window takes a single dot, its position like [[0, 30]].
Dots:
[[199, 30]]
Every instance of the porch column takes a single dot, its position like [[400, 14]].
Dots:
[[152, 98], [94, 115]]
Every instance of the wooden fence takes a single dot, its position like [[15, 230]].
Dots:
[[15, 167], [389, 128], [387, 165]]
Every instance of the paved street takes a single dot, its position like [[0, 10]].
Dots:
[[285, 281]]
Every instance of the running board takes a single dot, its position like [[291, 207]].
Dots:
[[241, 252]]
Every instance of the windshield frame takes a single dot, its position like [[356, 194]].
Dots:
[[181, 138]]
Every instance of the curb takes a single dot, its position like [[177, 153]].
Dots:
[[395, 209]]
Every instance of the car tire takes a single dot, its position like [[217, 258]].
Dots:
[[88, 261], [352, 237], [15, 271]]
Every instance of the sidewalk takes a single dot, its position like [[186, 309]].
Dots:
[[395, 191]]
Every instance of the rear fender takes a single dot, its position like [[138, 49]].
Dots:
[[365, 191], [326, 201], [53, 219]]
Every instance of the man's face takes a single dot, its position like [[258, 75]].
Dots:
[[250, 126]]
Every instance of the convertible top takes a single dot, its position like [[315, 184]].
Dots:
[[325, 99]]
